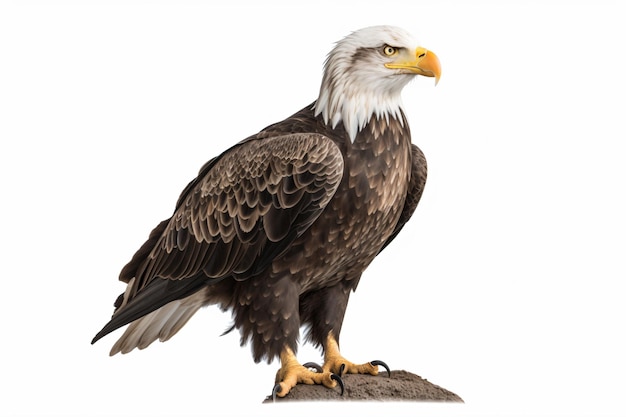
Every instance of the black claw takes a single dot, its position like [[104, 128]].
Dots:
[[383, 364], [342, 368], [275, 391], [339, 381], [315, 366]]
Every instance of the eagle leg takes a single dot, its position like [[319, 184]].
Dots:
[[334, 362], [292, 373]]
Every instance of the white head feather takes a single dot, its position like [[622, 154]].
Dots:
[[356, 83]]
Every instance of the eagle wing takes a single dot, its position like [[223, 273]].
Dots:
[[242, 211]]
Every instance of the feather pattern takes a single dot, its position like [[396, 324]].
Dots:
[[220, 238]]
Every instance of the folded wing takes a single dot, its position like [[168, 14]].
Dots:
[[243, 210]]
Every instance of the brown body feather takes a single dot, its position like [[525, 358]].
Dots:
[[277, 229]]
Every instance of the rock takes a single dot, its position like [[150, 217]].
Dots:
[[402, 386]]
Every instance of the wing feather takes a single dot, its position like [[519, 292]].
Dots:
[[244, 209], [250, 196]]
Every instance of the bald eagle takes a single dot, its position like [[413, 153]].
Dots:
[[279, 228]]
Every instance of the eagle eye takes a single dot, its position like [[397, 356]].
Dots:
[[390, 50]]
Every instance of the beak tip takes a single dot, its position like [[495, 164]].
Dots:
[[430, 65]]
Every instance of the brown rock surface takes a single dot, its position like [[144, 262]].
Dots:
[[402, 386]]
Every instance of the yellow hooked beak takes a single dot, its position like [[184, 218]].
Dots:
[[423, 62]]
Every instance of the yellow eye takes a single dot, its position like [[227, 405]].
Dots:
[[390, 50]]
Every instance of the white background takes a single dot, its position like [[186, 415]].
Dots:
[[506, 287]]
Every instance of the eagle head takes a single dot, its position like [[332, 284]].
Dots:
[[364, 75]]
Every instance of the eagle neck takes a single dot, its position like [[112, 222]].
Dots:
[[355, 113], [355, 104]]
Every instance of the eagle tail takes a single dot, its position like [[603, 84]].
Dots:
[[152, 300], [161, 324]]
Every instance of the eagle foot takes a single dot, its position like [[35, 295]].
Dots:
[[341, 366], [288, 378], [292, 373], [334, 362]]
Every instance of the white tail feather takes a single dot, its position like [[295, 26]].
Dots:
[[161, 324]]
